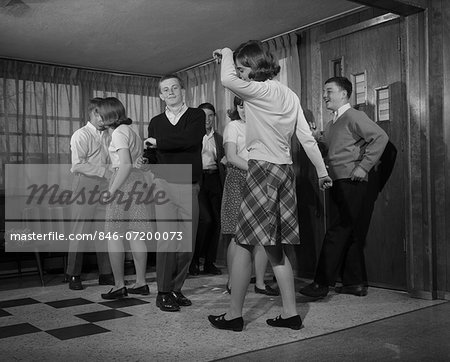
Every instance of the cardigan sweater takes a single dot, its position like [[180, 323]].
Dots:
[[272, 113], [178, 144], [353, 140]]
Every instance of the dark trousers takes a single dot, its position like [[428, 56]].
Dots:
[[86, 219], [208, 233], [178, 215], [343, 245]]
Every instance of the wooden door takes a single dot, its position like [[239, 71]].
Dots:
[[374, 54]]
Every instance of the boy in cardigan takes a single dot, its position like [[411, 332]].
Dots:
[[354, 144]]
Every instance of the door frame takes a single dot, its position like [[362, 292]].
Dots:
[[420, 260]]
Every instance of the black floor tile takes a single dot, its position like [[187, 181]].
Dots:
[[4, 313], [124, 302], [17, 330], [76, 331], [103, 315], [69, 302], [17, 302]]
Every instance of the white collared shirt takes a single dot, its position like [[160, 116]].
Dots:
[[209, 152], [89, 148], [340, 111], [174, 118]]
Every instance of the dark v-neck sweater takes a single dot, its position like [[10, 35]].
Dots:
[[180, 143]]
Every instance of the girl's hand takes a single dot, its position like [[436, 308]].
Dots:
[[217, 55], [325, 182], [106, 197]]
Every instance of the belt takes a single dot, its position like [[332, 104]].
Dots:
[[210, 172], [91, 177]]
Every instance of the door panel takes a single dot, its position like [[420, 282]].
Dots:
[[376, 52]]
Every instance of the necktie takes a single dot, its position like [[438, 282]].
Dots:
[[335, 116]]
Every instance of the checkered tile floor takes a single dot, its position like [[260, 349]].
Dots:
[[54, 323], [12, 308]]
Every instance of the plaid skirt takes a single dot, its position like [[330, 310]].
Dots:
[[129, 216], [233, 192], [268, 213]]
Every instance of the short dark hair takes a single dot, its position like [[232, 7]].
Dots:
[[262, 62], [170, 76], [343, 83], [207, 105], [233, 113], [94, 103], [113, 112]]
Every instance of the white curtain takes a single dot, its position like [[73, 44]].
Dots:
[[202, 83], [42, 105], [285, 48]]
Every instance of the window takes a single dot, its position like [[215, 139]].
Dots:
[[37, 120], [382, 104], [360, 88], [337, 67]]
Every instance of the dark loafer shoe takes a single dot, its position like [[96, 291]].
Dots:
[[144, 290], [106, 279], [181, 299], [267, 291], [294, 322], [315, 290], [75, 282], [358, 290], [117, 294], [219, 321], [211, 269], [167, 303], [194, 269]]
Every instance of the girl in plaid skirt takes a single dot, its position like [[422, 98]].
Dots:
[[233, 190], [268, 213]]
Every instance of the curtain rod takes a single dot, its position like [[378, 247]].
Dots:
[[97, 70], [285, 33]]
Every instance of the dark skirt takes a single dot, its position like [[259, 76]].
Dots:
[[232, 198], [128, 216]]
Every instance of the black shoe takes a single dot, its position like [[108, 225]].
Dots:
[[294, 322], [117, 294], [106, 279], [211, 269], [181, 299], [75, 283], [144, 290], [315, 290], [219, 321], [166, 302], [359, 290], [194, 269], [267, 291]]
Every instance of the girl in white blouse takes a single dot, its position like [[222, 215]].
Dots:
[[123, 213]]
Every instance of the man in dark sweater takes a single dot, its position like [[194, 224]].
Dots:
[[176, 137], [210, 196], [354, 144]]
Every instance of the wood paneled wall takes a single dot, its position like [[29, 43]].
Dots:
[[426, 72]]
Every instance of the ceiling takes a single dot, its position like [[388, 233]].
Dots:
[[151, 37]]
